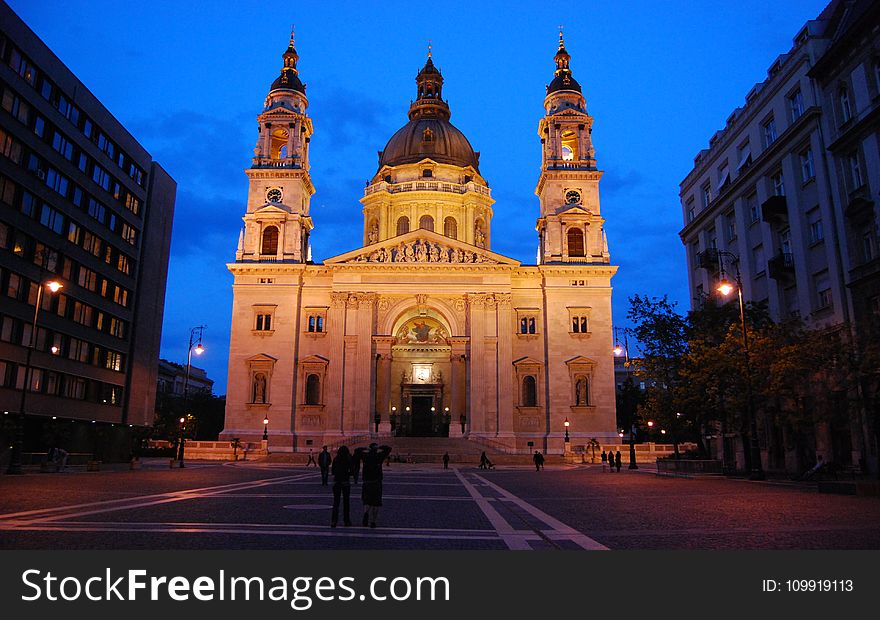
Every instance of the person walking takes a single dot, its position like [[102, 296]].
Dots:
[[539, 461], [324, 460], [604, 459], [446, 460], [617, 461], [311, 460], [371, 492], [484, 461], [341, 470]]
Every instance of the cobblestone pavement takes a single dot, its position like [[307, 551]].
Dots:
[[267, 506]]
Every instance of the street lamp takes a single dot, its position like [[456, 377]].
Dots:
[[18, 440], [621, 349], [198, 349], [181, 440], [266, 428], [726, 288], [566, 424]]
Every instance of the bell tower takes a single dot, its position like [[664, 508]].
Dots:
[[570, 226], [277, 223]]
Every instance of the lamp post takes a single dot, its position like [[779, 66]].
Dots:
[[199, 349], [566, 424], [621, 349], [18, 441], [181, 440], [725, 288], [632, 446], [266, 428]]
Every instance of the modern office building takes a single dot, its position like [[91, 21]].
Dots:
[[789, 186], [83, 204]]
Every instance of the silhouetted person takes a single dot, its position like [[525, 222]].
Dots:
[[324, 463], [371, 492], [311, 460], [604, 459], [341, 470], [539, 461], [617, 460], [445, 460], [485, 463]]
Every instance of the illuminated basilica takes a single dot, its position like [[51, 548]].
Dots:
[[423, 330]]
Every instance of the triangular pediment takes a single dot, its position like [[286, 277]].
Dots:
[[261, 357], [423, 247], [273, 209], [573, 210], [314, 359], [527, 361], [580, 360]]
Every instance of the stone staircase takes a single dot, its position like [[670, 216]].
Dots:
[[431, 450]]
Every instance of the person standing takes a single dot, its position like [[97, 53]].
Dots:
[[446, 460], [604, 459], [484, 461], [617, 461], [539, 461], [371, 477], [311, 460], [324, 463], [341, 469]]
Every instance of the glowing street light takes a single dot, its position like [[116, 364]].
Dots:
[[266, 428], [566, 424]]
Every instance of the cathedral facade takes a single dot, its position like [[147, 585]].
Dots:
[[423, 330]]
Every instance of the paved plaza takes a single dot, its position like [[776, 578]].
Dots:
[[275, 506]]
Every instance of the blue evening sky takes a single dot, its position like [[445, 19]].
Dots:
[[188, 78]]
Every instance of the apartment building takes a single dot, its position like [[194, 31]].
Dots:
[[788, 186]]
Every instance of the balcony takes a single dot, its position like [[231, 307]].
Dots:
[[774, 210], [860, 205], [781, 266], [708, 259]]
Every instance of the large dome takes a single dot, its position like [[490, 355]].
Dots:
[[434, 138]]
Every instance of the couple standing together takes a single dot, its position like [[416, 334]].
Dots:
[[344, 465]]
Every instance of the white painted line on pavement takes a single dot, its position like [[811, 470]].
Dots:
[[558, 529]]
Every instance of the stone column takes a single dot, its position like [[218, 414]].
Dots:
[[365, 380], [291, 139], [478, 396], [505, 364], [382, 345], [334, 395]]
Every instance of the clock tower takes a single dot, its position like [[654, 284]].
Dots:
[[277, 222], [570, 225]]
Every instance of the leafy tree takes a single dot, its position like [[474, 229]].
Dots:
[[661, 332]]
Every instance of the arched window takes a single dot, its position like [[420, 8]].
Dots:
[[313, 390], [529, 392], [259, 388], [576, 242], [278, 142], [402, 225], [270, 241], [581, 392], [450, 228], [426, 222], [569, 145]]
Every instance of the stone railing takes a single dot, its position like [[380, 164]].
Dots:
[[422, 186]]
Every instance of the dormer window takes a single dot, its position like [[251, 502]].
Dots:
[[427, 173], [427, 136]]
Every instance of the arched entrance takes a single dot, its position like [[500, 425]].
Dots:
[[421, 365]]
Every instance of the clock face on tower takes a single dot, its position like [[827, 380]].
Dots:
[[274, 194], [572, 196]]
